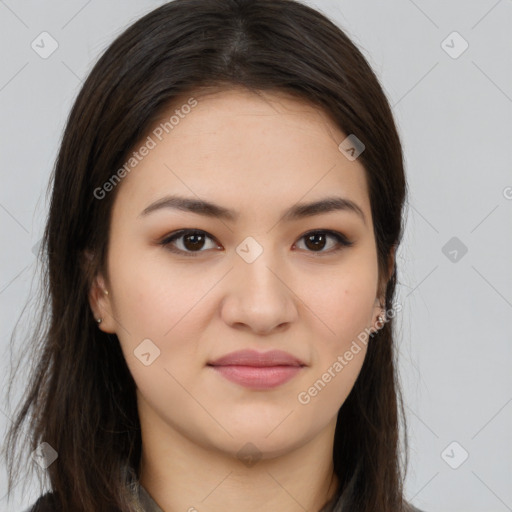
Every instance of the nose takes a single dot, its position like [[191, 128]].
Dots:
[[258, 297]]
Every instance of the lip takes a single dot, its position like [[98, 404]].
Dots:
[[258, 370], [257, 359]]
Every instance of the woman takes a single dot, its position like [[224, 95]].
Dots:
[[226, 206]]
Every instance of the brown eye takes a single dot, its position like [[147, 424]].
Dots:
[[188, 241], [316, 241], [192, 242]]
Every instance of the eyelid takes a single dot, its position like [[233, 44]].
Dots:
[[175, 235], [342, 240]]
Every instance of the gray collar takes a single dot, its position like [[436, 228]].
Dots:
[[147, 504], [143, 500]]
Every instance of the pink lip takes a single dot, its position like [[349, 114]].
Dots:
[[258, 370]]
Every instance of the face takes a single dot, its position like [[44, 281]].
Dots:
[[259, 271]]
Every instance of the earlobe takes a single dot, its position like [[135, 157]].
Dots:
[[100, 302], [384, 282], [380, 300], [380, 308]]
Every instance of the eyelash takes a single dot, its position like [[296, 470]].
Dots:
[[342, 241]]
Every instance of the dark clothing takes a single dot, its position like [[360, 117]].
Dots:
[[146, 503]]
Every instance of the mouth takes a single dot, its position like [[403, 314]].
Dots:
[[257, 370]]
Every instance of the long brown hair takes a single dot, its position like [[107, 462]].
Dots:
[[81, 396]]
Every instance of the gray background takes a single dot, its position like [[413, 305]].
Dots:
[[454, 115]]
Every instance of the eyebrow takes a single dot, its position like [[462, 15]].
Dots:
[[296, 212]]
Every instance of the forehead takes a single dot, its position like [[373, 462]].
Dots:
[[244, 150]]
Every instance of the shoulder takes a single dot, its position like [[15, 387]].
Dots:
[[45, 503]]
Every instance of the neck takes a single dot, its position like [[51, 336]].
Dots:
[[182, 476]]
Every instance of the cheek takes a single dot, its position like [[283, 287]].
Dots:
[[166, 308], [154, 299], [346, 308], [344, 302]]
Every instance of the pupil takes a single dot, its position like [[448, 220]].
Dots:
[[315, 245], [197, 241]]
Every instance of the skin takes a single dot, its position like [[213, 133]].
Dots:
[[258, 155]]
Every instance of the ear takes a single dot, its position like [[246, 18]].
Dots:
[[391, 262], [380, 300], [100, 301]]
